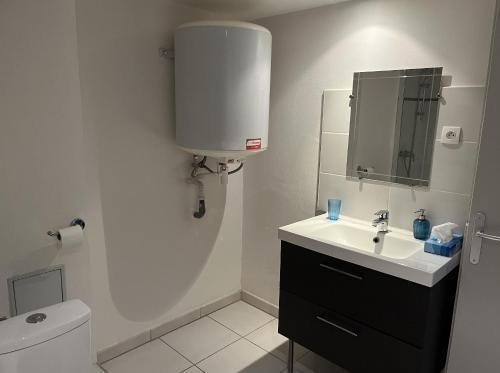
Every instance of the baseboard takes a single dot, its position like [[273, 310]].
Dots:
[[164, 328], [259, 303], [120, 348]]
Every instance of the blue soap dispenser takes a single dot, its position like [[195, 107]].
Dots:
[[421, 226]]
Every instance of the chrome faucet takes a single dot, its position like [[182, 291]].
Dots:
[[382, 221]]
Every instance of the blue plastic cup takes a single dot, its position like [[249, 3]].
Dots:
[[334, 209]]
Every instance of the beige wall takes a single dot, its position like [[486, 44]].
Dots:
[[320, 49], [87, 129]]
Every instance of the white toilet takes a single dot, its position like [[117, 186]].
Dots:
[[54, 339]]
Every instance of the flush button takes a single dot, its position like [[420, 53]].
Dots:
[[36, 318]]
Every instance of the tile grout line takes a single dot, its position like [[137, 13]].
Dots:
[[194, 365], [124, 353], [448, 192], [270, 352], [334, 133], [389, 198], [219, 350], [438, 141], [337, 89], [159, 337], [250, 332], [225, 326], [244, 336], [149, 331], [179, 327], [240, 337], [149, 341], [177, 352], [399, 186], [222, 348], [260, 327], [263, 349]]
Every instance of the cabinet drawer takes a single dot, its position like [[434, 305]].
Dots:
[[387, 303], [347, 343]]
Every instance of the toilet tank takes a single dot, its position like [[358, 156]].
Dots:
[[222, 85], [58, 343]]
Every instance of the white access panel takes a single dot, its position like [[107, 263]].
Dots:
[[36, 290]]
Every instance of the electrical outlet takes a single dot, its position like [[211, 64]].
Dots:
[[451, 135]]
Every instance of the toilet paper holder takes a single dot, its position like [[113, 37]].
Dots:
[[74, 222]]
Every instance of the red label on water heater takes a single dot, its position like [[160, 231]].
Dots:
[[253, 144]]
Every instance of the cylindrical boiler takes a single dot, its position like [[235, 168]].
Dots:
[[222, 83]]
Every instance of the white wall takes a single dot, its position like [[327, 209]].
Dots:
[[152, 261], [146, 260], [41, 141], [321, 49]]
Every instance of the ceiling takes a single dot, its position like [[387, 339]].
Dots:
[[253, 9]]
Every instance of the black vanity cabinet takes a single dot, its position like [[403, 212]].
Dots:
[[363, 320]]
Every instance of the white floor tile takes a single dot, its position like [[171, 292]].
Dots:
[[193, 369], [268, 338], [242, 357], [153, 357], [241, 317], [312, 363], [200, 339]]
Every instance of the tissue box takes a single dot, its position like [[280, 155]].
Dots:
[[444, 249]]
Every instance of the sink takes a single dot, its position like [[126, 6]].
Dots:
[[395, 252], [356, 236]]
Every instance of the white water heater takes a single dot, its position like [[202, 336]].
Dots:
[[222, 82]]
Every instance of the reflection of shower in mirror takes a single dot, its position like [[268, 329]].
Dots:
[[422, 109], [393, 125]]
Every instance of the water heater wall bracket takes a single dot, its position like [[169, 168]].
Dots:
[[167, 53]]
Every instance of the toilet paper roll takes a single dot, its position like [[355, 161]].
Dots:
[[71, 236]]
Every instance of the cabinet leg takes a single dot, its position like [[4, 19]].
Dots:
[[290, 356]]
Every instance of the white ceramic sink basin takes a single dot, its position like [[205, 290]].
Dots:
[[356, 236], [396, 252]]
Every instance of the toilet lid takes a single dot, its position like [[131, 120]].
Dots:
[[39, 326]]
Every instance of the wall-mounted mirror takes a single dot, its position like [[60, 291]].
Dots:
[[393, 125]]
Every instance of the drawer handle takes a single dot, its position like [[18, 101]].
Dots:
[[350, 332], [341, 272]]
